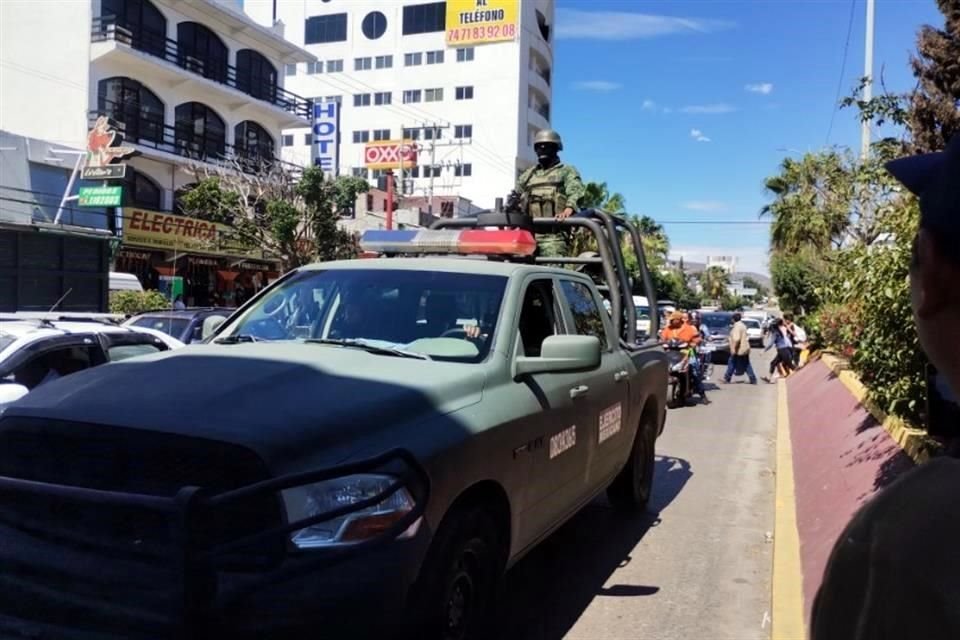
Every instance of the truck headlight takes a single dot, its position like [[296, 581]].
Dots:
[[356, 526]]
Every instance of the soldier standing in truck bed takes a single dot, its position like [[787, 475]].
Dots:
[[550, 189]]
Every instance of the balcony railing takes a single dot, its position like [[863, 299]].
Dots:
[[183, 141], [543, 110], [106, 28]]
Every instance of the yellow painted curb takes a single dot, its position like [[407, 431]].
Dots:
[[913, 441], [787, 576]]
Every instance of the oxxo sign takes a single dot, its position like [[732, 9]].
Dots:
[[326, 136], [390, 154]]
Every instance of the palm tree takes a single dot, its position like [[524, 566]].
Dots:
[[597, 196], [714, 282], [812, 200]]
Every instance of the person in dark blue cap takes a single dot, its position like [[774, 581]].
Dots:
[[895, 571]]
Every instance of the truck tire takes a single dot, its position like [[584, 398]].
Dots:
[[632, 487], [460, 574]]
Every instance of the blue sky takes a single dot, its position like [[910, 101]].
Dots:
[[685, 106]]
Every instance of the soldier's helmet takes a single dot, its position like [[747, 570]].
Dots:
[[548, 135]]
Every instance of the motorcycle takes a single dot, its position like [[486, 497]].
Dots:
[[681, 379]]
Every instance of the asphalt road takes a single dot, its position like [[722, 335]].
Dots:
[[697, 565]]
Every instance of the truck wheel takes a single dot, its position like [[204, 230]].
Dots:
[[632, 487], [462, 569]]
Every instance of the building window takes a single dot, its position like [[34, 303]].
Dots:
[[362, 64], [252, 141], [361, 100], [412, 95], [383, 62], [337, 99], [129, 102], [432, 133], [433, 171], [433, 95], [308, 139], [313, 68], [359, 172], [463, 131], [334, 66], [465, 54], [361, 136], [376, 174], [374, 25], [255, 75], [412, 59], [463, 170], [200, 50], [435, 57], [424, 18], [140, 191], [286, 140], [411, 134], [384, 97], [328, 28], [543, 26], [290, 70], [199, 131], [381, 134], [464, 93], [147, 26], [413, 172]]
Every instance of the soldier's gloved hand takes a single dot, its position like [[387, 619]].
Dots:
[[566, 213]]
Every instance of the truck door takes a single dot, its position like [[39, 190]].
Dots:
[[549, 432], [608, 441]]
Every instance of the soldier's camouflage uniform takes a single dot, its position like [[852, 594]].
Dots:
[[545, 193]]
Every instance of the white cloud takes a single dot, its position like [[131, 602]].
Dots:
[[667, 110], [697, 135], [649, 105], [709, 109], [766, 88], [598, 85], [623, 25], [706, 206], [754, 259]]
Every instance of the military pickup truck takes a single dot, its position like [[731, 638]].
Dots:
[[365, 447]]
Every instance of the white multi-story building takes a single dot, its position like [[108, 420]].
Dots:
[[181, 82], [472, 110], [727, 263]]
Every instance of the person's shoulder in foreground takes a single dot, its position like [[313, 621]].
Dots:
[[895, 570]]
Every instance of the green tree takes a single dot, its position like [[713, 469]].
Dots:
[[753, 283], [714, 282], [811, 206], [598, 196], [933, 115], [293, 218], [797, 277]]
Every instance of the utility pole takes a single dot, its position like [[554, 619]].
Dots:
[[390, 198], [435, 130], [867, 94]]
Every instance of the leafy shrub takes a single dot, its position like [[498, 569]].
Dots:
[[134, 302], [837, 327]]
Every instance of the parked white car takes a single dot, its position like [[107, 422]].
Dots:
[[37, 349], [754, 332]]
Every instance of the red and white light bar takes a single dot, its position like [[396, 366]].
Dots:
[[510, 242]]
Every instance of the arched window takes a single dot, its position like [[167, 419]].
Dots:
[[146, 25], [126, 101], [255, 75], [200, 132], [201, 51], [252, 141], [141, 191]]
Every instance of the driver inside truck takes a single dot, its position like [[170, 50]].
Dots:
[[440, 311]]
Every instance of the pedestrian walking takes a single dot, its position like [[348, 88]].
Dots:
[[798, 337], [895, 571], [739, 362], [779, 339]]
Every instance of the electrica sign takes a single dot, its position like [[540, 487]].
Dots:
[[390, 154], [326, 136], [100, 196], [471, 22]]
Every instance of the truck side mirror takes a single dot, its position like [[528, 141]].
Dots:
[[10, 392], [562, 353], [211, 324]]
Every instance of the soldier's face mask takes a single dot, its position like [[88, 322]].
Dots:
[[546, 152]]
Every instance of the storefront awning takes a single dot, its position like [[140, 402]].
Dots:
[[228, 276]]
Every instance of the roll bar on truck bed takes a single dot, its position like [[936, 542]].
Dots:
[[610, 232]]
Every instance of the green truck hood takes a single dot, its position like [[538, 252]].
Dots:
[[287, 402]]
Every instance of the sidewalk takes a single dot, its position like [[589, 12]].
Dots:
[[841, 456]]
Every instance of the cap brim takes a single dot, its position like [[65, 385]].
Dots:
[[917, 172]]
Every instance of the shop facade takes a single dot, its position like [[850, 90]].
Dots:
[[201, 259]]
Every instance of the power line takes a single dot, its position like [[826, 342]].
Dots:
[[843, 69]]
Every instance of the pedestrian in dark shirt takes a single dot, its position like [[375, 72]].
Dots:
[[895, 570]]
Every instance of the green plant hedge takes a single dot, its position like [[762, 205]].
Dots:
[[134, 302]]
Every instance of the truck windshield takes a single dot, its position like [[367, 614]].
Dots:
[[446, 316]]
